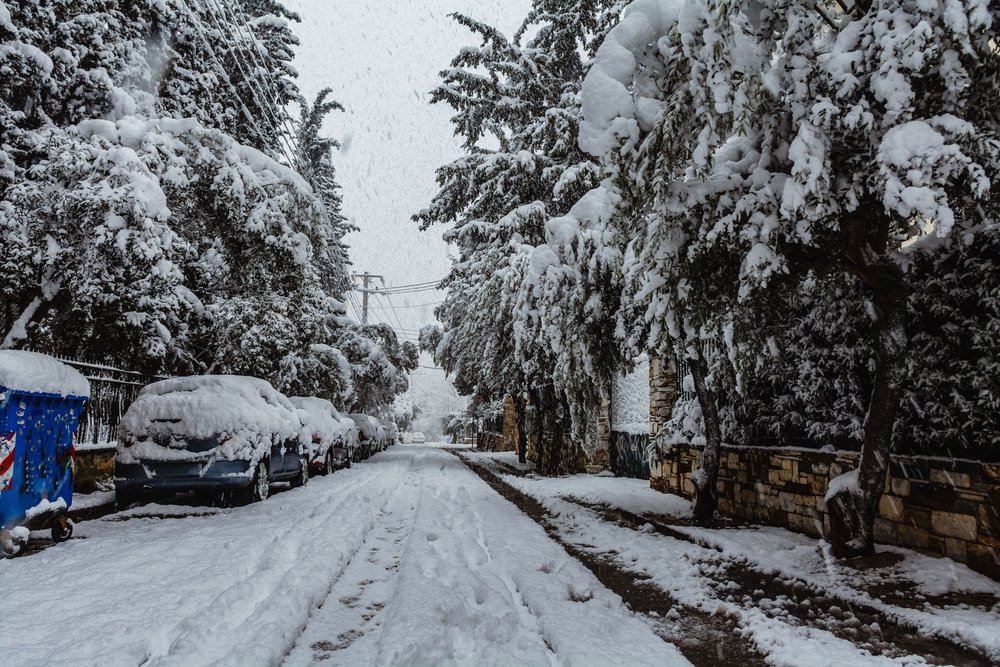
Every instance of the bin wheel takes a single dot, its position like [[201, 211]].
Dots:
[[62, 529], [10, 547]]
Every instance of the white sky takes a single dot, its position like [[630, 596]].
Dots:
[[382, 58]]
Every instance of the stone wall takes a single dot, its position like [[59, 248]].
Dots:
[[662, 392], [91, 467], [945, 507], [509, 437]]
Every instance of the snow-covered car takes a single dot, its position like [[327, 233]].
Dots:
[[370, 434], [390, 433], [334, 436], [223, 434], [418, 438]]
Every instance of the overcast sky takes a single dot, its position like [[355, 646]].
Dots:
[[382, 58]]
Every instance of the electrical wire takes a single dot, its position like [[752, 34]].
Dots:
[[281, 136], [283, 113]]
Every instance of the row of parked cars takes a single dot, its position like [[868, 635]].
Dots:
[[232, 437]]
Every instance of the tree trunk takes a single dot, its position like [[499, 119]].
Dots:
[[522, 437], [550, 443], [706, 476], [853, 503]]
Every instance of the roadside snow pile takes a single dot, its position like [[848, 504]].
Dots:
[[684, 569], [243, 413], [40, 373]]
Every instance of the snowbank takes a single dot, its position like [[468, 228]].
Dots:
[[244, 412], [31, 371]]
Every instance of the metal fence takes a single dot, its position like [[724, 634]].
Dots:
[[112, 390]]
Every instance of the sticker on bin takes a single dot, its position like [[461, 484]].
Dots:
[[7, 461]]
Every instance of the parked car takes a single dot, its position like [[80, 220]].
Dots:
[[334, 436], [223, 434], [390, 433], [418, 438], [370, 434]]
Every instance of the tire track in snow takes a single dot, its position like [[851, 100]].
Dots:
[[279, 567], [478, 583], [353, 603]]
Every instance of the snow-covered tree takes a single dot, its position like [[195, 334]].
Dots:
[[379, 364], [755, 142], [153, 207], [517, 110], [314, 161]]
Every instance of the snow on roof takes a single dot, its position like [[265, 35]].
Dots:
[[35, 372], [208, 405]]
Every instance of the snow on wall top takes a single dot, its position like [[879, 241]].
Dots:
[[630, 401], [210, 405], [34, 372]]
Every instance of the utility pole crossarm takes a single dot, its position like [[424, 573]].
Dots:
[[366, 289]]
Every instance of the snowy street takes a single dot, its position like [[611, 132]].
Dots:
[[413, 559], [407, 559]]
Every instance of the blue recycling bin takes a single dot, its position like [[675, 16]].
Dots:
[[36, 464]]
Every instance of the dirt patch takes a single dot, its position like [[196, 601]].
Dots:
[[741, 583], [706, 640]]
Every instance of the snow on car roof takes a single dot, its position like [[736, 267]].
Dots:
[[320, 415], [35, 372], [207, 405]]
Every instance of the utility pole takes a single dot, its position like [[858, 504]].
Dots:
[[366, 289]]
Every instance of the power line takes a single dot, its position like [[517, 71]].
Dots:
[[421, 305], [280, 114], [394, 313]]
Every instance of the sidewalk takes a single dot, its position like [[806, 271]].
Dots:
[[779, 589]]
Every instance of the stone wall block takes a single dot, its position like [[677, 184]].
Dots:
[[950, 524], [949, 508], [891, 508]]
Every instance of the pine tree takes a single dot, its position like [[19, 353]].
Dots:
[[517, 111], [313, 157]]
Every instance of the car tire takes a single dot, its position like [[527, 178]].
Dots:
[[348, 463], [125, 499], [302, 478], [259, 488], [328, 465]]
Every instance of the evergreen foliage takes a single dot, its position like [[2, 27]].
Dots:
[[159, 210]]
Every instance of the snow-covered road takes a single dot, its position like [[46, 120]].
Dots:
[[409, 559]]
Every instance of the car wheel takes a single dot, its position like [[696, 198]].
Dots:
[[125, 499], [349, 457], [328, 465], [302, 478], [258, 489], [62, 529]]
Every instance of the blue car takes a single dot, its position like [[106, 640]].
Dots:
[[224, 434]]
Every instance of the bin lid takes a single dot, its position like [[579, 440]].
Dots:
[[39, 373]]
